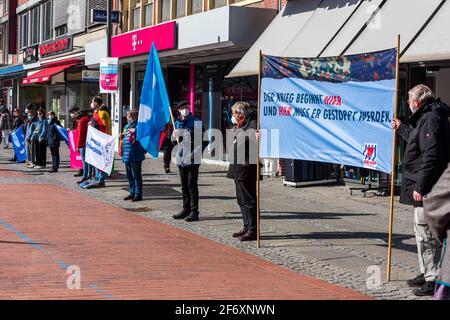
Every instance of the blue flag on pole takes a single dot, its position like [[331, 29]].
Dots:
[[154, 112], [18, 140], [63, 133]]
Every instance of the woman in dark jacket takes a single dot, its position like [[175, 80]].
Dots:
[[243, 167], [53, 140], [17, 123]]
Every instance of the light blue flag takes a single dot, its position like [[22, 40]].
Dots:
[[18, 140], [154, 110], [63, 133]]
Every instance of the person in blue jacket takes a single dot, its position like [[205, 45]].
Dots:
[[30, 125], [132, 155], [39, 139], [188, 159]]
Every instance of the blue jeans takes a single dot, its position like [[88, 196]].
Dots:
[[100, 176], [134, 175], [86, 166]]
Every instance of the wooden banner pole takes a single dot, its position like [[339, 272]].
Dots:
[[258, 214], [394, 162]]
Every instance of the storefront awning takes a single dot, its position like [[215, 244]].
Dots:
[[311, 28], [9, 72], [45, 74]]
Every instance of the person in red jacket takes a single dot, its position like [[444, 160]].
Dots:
[[82, 128]]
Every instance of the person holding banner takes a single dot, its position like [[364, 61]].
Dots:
[[426, 156], [132, 155], [54, 140], [5, 126], [39, 139], [17, 123], [242, 168], [188, 161]]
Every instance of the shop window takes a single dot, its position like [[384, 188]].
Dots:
[[34, 26], [47, 17], [1, 37], [23, 32], [149, 13], [196, 6], [165, 10], [61, 30], [181, 8]]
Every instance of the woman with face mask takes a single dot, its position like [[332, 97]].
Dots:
[[132, 155], [243, 167], [17, 123], [40, 140], [30, 126]]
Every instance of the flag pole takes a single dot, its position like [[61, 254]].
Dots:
[[394, 162], [258, 214]]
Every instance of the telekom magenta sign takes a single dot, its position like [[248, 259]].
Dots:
[[140, 41]]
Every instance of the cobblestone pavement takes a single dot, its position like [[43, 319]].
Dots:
[[320, 231]]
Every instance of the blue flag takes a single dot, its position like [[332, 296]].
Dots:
[[18, 140], [63, 133], [154, 110]]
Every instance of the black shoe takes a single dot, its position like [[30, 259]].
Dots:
[[239, 234], [101, 185], [180, 215], [249, 236], [78, 174], [129, 197], [12, 160], [167, 170], [53, 170], [136, 199], [426, 290], [417, 281], [192, 217]]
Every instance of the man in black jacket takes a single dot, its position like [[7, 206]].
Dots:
[[426, 156], [53, 140]]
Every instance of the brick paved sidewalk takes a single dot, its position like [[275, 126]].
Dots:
[[125, 256]]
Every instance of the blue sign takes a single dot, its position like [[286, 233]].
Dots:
[[337, 110], [100, 16], [18, 140]]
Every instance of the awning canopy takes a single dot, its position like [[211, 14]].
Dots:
[[45, 74], [11, 71], [311, 28]]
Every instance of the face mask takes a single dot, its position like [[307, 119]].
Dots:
[[233, 120], [30, 118], [92, 106], [184, 112], [131, 121], [26, 110]]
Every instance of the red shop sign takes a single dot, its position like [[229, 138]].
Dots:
[[55, 47]]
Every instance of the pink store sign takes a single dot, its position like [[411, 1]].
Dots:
[[140, 41]]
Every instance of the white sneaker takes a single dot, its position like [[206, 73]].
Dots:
[[38, 167], [31, 166]]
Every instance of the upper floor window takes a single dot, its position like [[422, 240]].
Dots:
[[34, 26], [148, 13], [23, 30], [181, 8], [61, 30], [47, 19], [165, 10], [196, 6], [217, 3]]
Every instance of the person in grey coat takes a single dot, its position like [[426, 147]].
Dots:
[[437, 214]]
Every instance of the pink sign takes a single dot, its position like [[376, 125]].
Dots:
[[140, 41], [75, 157]]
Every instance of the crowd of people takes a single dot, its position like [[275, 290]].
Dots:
[[425, 185]]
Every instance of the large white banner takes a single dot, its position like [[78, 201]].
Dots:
[[100, 150]]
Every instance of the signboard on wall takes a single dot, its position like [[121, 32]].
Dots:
[[30, 54], [109, 75], [90, 75], [100, 16], [54, 47]]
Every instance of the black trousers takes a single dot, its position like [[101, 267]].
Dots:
[[55, 157], [246, 199], [41, 152], [167, 148], [189, 188]]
